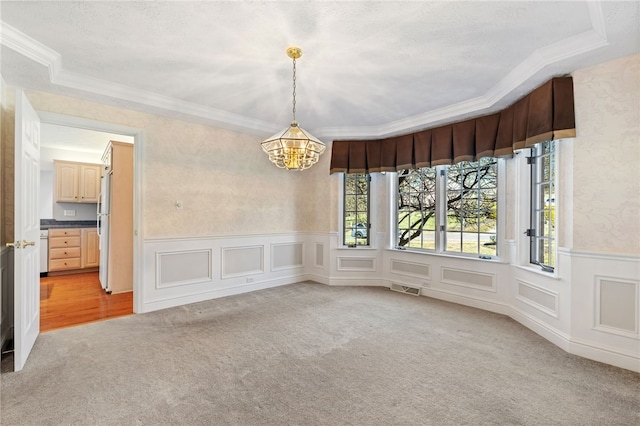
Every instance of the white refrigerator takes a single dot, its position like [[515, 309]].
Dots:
[[104, 211]]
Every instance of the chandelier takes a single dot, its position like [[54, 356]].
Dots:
[[293, 148]]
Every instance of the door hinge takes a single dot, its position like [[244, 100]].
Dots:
[[530, 232], [531, 160]]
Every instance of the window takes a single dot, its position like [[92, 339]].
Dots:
[[356, 209], [450, 209], [472, 207], [543, 203], [417, 208]]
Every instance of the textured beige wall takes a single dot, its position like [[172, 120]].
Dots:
[[224, 180], [606, 157]]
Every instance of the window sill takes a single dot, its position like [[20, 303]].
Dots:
[[449, 255], [356, 248], [537, 270]]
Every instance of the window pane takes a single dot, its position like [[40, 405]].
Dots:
[[472, 206], [543, 199], [469, 202], [470, 243], [488, 244], [356, 209], [416, 208], [453, 223], [454, 241]]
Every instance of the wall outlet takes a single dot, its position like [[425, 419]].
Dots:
[[249, 279], [69, 212]]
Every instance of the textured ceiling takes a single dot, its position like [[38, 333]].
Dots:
[[369, 69]]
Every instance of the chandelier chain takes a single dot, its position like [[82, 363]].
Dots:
[[294, 89]]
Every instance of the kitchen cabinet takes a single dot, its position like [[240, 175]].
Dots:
[[73, 250], [64, 249], [77, 182], [90, 248]]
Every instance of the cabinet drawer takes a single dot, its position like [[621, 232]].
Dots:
[[64, 232], [58, 242], [62, 264], [64, 253]]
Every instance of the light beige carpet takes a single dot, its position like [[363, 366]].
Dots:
[[309, 354]]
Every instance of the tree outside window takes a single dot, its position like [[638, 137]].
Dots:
[[472, 207], [449, 208]]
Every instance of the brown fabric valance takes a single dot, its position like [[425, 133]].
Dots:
[[547, 113]]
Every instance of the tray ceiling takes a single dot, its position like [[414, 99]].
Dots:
[[369, 69]]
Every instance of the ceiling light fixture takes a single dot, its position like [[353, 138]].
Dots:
[[293, 148]]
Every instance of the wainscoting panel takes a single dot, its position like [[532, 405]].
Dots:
[[617, 306], [183, 267], [477, 280], [287, 256], [242, 261], [319, 259], [361, 264], [537, 297], [411, 269]]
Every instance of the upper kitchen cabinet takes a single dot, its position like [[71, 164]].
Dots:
[[77, 182]]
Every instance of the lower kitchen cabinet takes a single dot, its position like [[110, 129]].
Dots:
[[90, 250], [73, 249]]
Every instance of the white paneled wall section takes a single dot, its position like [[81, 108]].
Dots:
[[187, 270]]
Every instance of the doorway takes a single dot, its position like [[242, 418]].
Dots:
[[69, 299]]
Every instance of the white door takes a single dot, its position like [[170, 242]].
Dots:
[[27, 231]]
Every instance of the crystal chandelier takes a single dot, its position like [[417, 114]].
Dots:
[[293, 148]]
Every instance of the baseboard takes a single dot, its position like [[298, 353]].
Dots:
[[71, 272], [358, 282], [216, 294], [604, 355], [472, 302]]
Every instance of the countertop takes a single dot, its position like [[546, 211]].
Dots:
[[52, 223]]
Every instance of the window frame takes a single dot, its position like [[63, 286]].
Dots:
[[441, 176], [532, 232], [343, 221]]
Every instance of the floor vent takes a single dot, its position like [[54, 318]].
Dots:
[[405, 289]]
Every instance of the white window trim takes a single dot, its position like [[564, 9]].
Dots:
[[523, 213], [372, 216], [441, 212]]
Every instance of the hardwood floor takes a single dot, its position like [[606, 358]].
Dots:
[[68, 300]]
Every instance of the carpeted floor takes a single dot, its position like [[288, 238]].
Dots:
[[309, 354]]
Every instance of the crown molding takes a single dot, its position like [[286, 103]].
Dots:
[[38, 52], [587, 41]]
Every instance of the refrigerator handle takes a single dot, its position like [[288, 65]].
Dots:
[[98, 215]]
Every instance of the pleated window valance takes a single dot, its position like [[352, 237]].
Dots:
[[547, 113]]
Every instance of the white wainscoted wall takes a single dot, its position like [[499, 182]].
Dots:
[[590, 308], [186, 270]]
